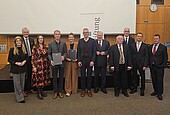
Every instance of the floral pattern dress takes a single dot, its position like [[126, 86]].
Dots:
[[40, 61]]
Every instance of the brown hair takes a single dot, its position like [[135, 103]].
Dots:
[[139, 33], [71, 34], [157, 35], [37, 42], [57, 31]]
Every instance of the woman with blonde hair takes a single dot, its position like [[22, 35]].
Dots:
[[41, 70], [17, 58]]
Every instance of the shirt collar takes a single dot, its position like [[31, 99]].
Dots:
[[25, 38], [86, 39], [126, 37]]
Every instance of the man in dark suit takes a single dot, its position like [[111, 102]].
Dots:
[[101, 47], [128, 40], [57, 46], [120, 63], [139, 53], [158, 58], [86, 58], [29, 43]]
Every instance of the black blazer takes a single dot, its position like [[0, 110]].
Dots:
[[160, 58], [91, 49], [32, 43], [114, 56], [17, 58], [139, 58], [101, 60], [131, 40]]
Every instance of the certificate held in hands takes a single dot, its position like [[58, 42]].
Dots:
[[57, 58], [72, 54]]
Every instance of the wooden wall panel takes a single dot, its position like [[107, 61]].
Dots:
[[142, 28], [158, 16], [141, 14], [167, 2], [4, 59], [155, 29], [145, 2]]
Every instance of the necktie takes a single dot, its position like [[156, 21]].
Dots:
[[138, 46], [28, 47], [126, 40], [154, 49], [121, 59], [99, 43]]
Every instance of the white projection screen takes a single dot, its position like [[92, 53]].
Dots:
[[44, 16]]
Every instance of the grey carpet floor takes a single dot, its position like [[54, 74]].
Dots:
[[99, 104]]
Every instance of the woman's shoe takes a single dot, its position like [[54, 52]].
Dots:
[[68, 94]]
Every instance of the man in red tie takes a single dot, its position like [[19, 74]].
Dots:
[[157, 60]]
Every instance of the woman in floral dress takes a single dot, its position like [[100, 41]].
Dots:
[[40, 63]]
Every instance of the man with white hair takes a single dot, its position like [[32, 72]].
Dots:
[[29, 43], [120, 63], [128, 41], [101, 47]]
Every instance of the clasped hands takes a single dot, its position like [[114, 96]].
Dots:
[[20, 63]]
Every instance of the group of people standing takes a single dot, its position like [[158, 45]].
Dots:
[[32, 62]]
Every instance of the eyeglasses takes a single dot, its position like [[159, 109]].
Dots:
[[85, 32]]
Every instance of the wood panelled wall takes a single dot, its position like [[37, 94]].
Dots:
[[147, 22]]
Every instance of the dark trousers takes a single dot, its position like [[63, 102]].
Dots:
[[28, 83], [86, 66], [57, 83], [157, 75], [130, 79], [100, 71], [120, 78], [135, 77]]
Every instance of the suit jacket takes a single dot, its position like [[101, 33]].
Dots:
[[114, 56], [32, 43], [52, 48], [91, 49], [131, 40], [101, 60], [139, 58], [160, 58]]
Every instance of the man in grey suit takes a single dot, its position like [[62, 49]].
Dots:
[[57, 46], [101, 47]]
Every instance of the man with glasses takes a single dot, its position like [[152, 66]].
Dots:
[[128, 41], [86, 58]]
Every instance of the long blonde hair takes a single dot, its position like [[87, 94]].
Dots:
[[22, 46]]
